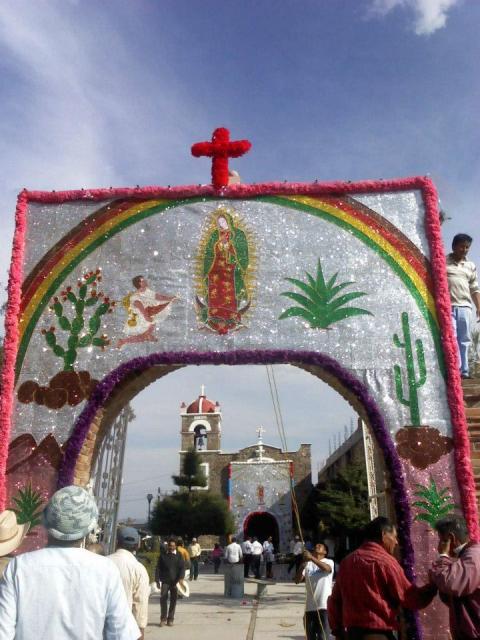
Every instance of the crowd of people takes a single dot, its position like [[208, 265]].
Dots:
[[88, 594], [71, 590], [251, 552], [66, 590]]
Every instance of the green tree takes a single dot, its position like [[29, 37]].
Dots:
[[191, 514], [339, 506], [192, 474]]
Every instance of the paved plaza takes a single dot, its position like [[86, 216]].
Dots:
[[207, 615]]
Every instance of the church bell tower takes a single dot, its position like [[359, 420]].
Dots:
[[201, 424]]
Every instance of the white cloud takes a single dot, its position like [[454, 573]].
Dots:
[[430, 15]]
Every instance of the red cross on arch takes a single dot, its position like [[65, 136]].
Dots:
[[220, 149]]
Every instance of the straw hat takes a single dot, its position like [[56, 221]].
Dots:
[[11, 533], [183, 588]]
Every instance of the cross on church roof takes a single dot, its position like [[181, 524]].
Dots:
[[221, 148], [260, 432]]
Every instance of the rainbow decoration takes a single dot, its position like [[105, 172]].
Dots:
[[402, 256], [50, 272]]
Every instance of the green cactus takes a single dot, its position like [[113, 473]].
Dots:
[[80, 336], [28, 506], [413, 383], [435, 503]]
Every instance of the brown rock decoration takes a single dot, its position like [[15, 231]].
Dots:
[[26, 391], [39, 395], [20, 449], [55, 398], [23, 451], [422, 446], [66, 387]]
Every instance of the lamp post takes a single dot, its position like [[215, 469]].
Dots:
[[149, 500]]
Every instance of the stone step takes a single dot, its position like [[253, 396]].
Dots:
[[471, 397], [470, 382], [473, 415]]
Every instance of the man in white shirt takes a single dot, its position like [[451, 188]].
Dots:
[[133, 574], [64, 591], [463, 288], [233, 556], [233, 552], [257, 551], [247, 555], [317, 573]]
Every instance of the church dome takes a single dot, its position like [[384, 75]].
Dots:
[[203, 405]]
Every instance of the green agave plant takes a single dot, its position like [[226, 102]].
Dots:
[[435, 503], [321, 306], [28, 506]]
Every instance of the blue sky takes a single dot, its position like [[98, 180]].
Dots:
[[99, 94]]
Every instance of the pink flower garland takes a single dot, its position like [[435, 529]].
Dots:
[[463, 464], [232, 191], [10, 344]]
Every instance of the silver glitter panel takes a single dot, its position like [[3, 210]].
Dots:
[[287, 243]]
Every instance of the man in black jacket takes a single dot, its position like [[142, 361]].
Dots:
[[170, 569]]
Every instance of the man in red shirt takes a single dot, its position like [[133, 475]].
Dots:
[[371, 586]]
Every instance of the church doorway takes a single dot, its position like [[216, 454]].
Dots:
[[261, 525]]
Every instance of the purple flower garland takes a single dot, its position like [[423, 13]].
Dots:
[[107, 386]]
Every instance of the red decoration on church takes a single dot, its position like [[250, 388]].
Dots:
[[221, 148]]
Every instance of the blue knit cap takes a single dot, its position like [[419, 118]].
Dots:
[[71, 514]]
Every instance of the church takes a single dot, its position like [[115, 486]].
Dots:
[[257, 480]]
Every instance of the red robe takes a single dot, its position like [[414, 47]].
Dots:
[[222, 301]]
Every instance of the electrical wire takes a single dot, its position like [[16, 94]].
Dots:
[[283, 440]]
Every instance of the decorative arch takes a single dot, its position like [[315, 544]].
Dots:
[[398, 232]]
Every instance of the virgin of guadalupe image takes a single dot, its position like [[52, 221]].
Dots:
[[145, 310], [224, 263]]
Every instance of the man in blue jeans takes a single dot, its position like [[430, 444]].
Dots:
[[463, 288]]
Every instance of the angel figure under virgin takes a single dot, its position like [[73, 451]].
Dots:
[[145, 310]]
